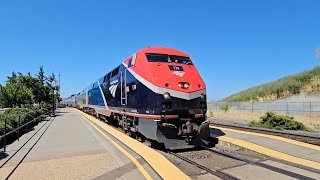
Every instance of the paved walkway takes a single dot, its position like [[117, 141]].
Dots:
[[69, 147], [281, 146], [276, 147]]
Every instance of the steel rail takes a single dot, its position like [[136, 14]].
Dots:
[[215, 172], [259, 163]]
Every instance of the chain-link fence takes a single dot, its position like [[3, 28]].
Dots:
[[291, 108]]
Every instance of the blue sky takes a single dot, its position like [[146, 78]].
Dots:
[[234, 44]]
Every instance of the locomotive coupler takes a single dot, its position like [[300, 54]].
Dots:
[[190, 129]]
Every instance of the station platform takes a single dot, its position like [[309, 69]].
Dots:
[[74, 145], [295, 152]]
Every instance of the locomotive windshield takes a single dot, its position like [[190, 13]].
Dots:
[[168, 58]]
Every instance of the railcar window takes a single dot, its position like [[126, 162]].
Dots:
[[115, 72], [168, 58]]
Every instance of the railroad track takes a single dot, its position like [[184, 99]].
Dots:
[[259, 164], [223, 175], [215, 172], [159, 147], [315, 140]]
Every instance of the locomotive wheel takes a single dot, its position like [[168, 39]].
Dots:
[[142, 138], [132, 135]]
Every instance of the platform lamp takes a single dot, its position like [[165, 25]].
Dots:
[[53, 85]]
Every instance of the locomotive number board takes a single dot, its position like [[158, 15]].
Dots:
[[176, 68]]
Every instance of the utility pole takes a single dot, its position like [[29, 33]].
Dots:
[[59, 89], [318, 53]]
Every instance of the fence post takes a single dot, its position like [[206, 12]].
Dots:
[[5, 132], [28, 125], [310, 109], [287, 108], [252, 107], [19, 123]]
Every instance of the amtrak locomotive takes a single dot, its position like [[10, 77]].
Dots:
[[156, 93]]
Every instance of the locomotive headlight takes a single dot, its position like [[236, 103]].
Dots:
[[186, 85], [166, 95], [202, 96]]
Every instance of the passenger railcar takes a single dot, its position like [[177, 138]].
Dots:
[[157, 93]]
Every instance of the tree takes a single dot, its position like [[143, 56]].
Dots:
[[12, 78], [2, 99], [51, 78], [15, 94], [24, 89], [33, 84], [45, 88], [41, 76]]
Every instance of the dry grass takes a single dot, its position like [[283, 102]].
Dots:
[[312, 121]]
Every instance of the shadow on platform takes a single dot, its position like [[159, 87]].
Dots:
[[3, 155]]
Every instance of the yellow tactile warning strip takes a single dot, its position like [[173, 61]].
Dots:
[[270, 152], [158, 162], [139, 166], [298, 143]]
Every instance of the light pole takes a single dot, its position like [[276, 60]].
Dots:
[[59, 91], [53, 84]]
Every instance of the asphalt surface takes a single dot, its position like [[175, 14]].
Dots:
[[67, 147], [280, 146]]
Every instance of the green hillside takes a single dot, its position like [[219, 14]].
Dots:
[[306, 81]]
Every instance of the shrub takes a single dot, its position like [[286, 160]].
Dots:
[[12, 117], [225, 108], [9, 128], [273, 121], [210, 113]]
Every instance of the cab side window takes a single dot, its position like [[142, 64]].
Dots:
[[130, 63], [107, 77], [115, 72]]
